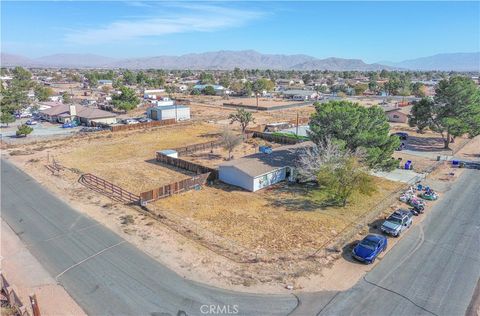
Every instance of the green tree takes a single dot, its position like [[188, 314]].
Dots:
[[207, 78], [7, 118], [92, 79], [67, 99], [340, 179], [418, 89], [360, 88], [127, 100], [455, 109], [209, 90], [243, 117], [260, 85], [357, 128], [23, 130], [421, 114], [129, 77], [43, 93]]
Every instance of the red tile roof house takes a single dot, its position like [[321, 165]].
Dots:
[[68, 112]]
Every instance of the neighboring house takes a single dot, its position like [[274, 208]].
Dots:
[[219, 90], [102, 82], [300, 95], [152, 93], [69, 112], [55, 98], [48, 105], [396, 116], [260, 170], [160, 113], [162, 102]]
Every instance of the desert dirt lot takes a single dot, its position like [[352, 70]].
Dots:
[[292, 219], [127, 159]]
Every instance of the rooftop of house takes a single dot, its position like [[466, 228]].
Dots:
[[260, 163], [170, 107], [299, 92], [81, 111]]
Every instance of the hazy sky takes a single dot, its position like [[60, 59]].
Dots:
[[372, 31]]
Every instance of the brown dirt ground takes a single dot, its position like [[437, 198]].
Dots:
[[291, 220], [128, 159]]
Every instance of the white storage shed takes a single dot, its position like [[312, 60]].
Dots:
[[160, 113]]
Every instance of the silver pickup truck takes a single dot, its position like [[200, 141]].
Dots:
[[397, 222]]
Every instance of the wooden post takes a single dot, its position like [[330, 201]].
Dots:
[[34, 303]]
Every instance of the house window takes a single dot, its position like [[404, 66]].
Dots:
[[396, 116]]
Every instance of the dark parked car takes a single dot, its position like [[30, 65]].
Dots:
[[369, 248], [402, 135]]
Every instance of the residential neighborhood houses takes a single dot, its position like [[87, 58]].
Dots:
[[262, 166]]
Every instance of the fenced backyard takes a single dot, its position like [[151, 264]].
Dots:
[[174, 188], [187, 165], [128, 127]]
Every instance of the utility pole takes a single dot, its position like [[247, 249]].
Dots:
[[296, 132]]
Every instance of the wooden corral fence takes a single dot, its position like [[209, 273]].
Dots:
[[190, 149], [107, 188], [174, 188], [12, 298], [127, 127], [188, 165]]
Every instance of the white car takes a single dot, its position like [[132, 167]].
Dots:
[[131, 121]]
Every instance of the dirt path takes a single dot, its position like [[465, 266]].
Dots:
[[28, 277]]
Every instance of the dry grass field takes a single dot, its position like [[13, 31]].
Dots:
[[126, 158], [283, 218]]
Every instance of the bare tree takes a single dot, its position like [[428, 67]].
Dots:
[[328, 152], [230, 140]]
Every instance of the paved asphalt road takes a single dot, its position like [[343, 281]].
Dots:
[[101, 271], [433, 270]]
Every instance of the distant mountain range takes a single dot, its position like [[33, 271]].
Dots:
[[443, 62], [248, 59]]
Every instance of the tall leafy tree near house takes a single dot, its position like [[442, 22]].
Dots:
[[43, 93], [454, 111], [6, 118], [127, 100], [355, 127], [15, 96]]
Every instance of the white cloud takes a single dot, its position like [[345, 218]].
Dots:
[[193, 18]]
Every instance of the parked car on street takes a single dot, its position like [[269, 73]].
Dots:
[[31, 122], [369, 248], [397, 222], [144, 120], [70, 124], [402, 135], [130, 121]]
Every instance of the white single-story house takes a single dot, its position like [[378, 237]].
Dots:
[[160, 113], [69, 112], [260, 170], [162, 102], [152, 93], [219, 90], [300, 95]]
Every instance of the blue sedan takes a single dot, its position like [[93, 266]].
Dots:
[[369, 248]]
